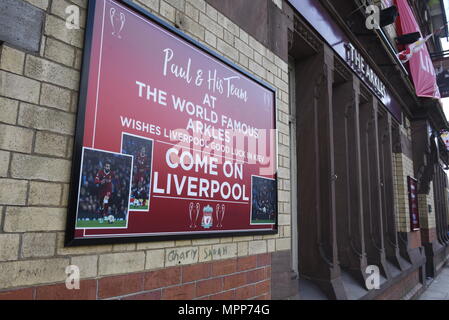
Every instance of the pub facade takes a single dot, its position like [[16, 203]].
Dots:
[[352, 202]]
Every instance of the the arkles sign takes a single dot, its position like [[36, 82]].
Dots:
[[172, 140], [363, 69], [413, 203], [320, 19]]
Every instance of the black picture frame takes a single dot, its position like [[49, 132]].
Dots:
[[70, 240]]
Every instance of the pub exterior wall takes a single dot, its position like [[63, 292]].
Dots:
[[38, 105], [38, 102]]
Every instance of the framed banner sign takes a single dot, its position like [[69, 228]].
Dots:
[[172, 140], [413, 203]]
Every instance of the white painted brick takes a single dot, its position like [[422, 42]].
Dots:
[[61, 250], [15, 138], [4, 163], [242, 249], [12, 60], [9, 248], [13, 192], [181, 256], [32, 272], [224, 251], [40, 118], [192, 12], [155, 259], [283, 244], [124, 247], [117, 263], [59, 7], [167, 11], [40, 168], [60, 52], [43, 4], [211, 39], [9, 109], [47, 71], [24, 219], [44, 194], [257, 247], [212, 26], [153, 5], [55, 27], [155, 245], [200, 5], [18, 87], [88, 265], [50, 144], [271, 245], [227, 50], [38, 245], [204, 253]]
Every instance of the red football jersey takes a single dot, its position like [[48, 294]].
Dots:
[[142, 162], [105, 181]]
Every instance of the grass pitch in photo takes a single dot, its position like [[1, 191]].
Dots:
[[142, 151], [264, 200], [104, 190]]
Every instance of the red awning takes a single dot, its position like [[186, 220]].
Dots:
[[420, 64]]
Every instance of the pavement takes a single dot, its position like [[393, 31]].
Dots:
[[439, 288]]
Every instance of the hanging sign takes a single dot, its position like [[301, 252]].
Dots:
[[172, 140]]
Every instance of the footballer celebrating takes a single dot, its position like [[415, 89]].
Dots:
[[104, 179]]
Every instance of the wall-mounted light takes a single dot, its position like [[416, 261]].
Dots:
[[388, 16], [408, 38]]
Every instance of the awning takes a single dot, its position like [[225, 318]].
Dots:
[[421, 67]]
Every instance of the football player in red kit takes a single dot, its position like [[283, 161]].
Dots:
[[104, 179], [142, 166]]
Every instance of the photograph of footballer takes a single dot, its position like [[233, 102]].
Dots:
[[264, 199], [142, 151], [104, 190]]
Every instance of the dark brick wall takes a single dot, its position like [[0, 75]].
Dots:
[[402, 288]]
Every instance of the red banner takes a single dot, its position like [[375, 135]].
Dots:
[[175, 140], [421, 65]]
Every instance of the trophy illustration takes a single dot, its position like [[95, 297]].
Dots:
[[197, 214], [117, 22], [191, 206], [220, 215], [192, 215]]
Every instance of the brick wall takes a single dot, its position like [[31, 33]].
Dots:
[[426, 213], [402, 288], [38, 104], [238, 278], [403, 167]]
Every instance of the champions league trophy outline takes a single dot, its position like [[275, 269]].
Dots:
[[218, 211], [191, 205], [197, 214], [122, 20], [192, 216]]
